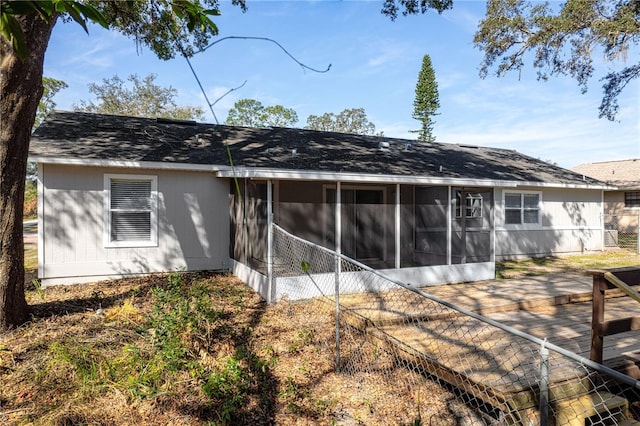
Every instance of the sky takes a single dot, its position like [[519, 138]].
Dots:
[[374, 65]]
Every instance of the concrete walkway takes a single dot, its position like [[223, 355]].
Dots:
[[30, 231]]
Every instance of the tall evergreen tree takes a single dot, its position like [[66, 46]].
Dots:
[[426, 102]]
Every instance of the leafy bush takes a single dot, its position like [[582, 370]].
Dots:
[[30, 205]]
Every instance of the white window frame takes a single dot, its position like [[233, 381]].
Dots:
[[473, 203], [522, 209], [153, 226]]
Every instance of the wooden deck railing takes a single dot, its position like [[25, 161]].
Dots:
[[618, 281]]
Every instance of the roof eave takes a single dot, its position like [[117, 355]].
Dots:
[[281, 174], [226, 171]]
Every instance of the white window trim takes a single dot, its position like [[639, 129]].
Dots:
[[518, 226], [153, 242], [465, 207]]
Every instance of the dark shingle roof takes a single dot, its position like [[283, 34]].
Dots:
[[76, 135]]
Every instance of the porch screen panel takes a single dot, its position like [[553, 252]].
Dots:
[[430, 235], [367, 224], [256, 224], [312, 221], [472, 224], [248, 211], [238, 235]]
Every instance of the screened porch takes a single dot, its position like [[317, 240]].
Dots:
[[430, 234]]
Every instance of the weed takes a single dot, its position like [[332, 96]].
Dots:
[[38, 286], [80, 360], [141, 373], [304, 338], [228, 386], [289, 388]]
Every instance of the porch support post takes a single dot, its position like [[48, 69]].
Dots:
[[449, 225], [338, 264], [602, 219], [270, 289], [493, 228], [338, 218], [397, 226]]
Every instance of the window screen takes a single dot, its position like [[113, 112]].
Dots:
[[632, 199], [521, 208], [131, 210]]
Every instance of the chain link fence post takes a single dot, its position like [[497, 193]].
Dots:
[[337, 300]]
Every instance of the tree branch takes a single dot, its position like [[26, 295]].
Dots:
[[270, 40], [227, 92]]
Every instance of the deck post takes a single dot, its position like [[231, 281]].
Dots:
[[597, 316], [544, 384]]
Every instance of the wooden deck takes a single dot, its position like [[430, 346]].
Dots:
[[493, 365]]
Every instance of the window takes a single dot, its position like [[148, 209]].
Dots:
[[130, 210], [522, 208], [632, 199], [472, 205]]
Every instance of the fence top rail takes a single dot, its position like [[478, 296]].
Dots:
[[542, 342], [626, 289]]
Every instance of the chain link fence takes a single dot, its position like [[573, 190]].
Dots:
[[500, 375], [621, 231]]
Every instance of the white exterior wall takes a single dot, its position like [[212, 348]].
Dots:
[[193, 225], [571, 222]]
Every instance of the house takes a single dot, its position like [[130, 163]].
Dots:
[[125, 195], [622, 202]]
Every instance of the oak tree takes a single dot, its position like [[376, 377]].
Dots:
[[143, 99], [166, 27], [563, 40], [251, 113], [350, 120], [51, 87]]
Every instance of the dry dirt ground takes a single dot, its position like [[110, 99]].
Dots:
[[128, 352], [125, 353]]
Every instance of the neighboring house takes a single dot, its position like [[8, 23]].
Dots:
[[621, 203], [123, 195]]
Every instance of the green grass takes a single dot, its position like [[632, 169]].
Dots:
[[30, 257], [569, 264]]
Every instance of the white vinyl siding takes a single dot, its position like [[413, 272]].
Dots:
[[130, 205], [522, 208]]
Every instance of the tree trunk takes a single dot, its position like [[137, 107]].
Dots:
[[20, 93]]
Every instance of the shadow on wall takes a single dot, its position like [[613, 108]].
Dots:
[[192, 211], [575, 237]]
